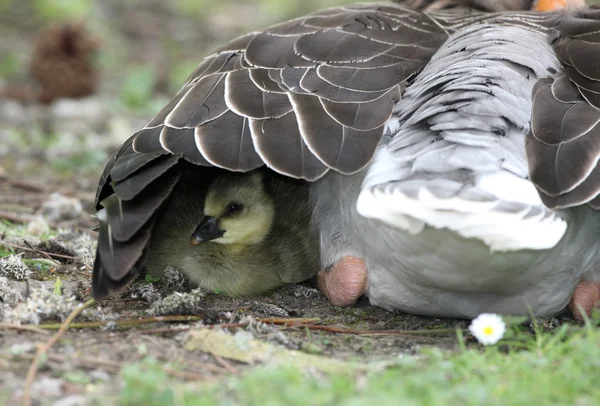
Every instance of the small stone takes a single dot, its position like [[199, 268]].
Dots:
[[12, 267], [37, 226], [79, 116], [82, 244], [12, 111], [59, 208], [270, 309], [178, 303], [22, 348], [10, 294], [42, 304], [47, 387], [174, 280], [99, 375], [71, 400], [304, 291], [146, 291], [279, 337]]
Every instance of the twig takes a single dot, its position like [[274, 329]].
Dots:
[[224, 363], [412, 332], [195, 376], [21, 184], [115, 367], [40, 187], [111, 301], [93, 362], [291, 322], [164, 330], [43, 349], [20, 247], [42, 253], [15, 207], [125, 322], [286, 323], [331, 329], [122, 323], [214, 368], [14, 218], [45, 255], [21, 200], [7, 326], [84, 362], [228, 325], [88, 362]]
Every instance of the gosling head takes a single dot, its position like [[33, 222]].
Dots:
[[237, 211]]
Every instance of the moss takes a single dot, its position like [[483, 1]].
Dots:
[[42, 270]]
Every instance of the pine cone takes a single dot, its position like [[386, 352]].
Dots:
[[62, 62]]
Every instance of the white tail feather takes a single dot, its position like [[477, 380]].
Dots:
[[472, 213]]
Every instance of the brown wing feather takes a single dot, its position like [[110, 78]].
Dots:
[[563, 149], [341, 56], [125, 230]]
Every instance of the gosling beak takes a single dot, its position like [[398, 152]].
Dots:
[[207, 230]]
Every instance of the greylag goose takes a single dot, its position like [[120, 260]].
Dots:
[[451, 151]]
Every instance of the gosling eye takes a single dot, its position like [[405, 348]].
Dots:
[[234, 208]]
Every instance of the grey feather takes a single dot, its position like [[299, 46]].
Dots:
[[182, 141], [203, 101], [246, 99], [126, 217], [274, 141], [231, 132], [133, 185]]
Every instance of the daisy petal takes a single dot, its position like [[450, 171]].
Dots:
[[487, 328]]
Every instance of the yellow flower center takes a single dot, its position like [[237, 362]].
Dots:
[[488, 331]]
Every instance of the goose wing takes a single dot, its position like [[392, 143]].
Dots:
[[302, 97], [563, 148]]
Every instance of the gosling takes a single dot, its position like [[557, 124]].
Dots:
[[243, 235]]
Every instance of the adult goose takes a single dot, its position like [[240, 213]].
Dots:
[[452, 147]]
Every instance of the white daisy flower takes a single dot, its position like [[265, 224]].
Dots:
[[488, 328]]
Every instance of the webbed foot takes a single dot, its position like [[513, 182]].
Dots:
[[585, 298], [344, 282]]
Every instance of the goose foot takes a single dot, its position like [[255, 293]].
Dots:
[[586, 296], [344, 282]]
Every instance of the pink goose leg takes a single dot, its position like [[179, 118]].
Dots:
[[586, 296], [344, 282]]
